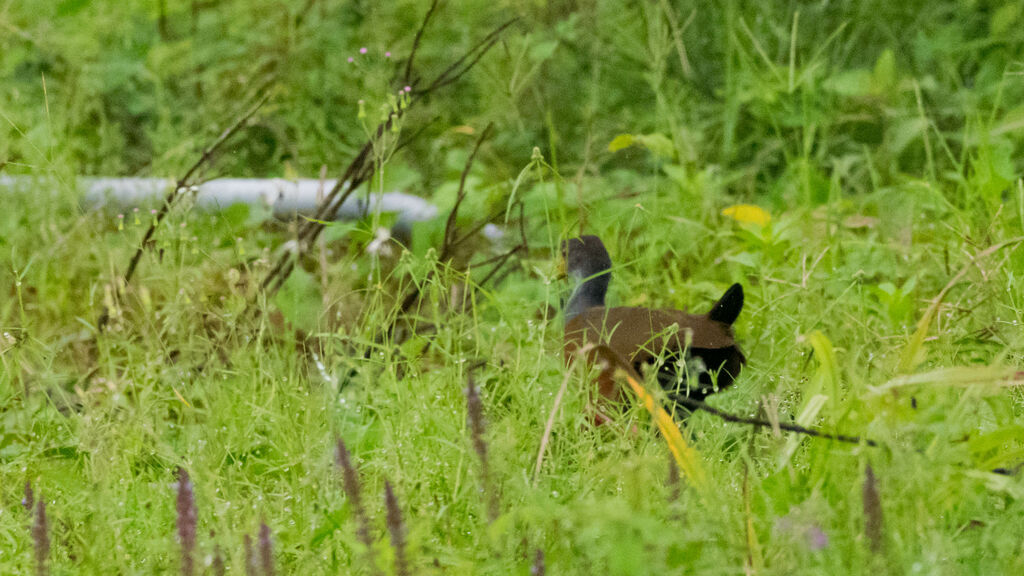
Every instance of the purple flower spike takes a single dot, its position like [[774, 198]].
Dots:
[[816, 538], [187, 521]]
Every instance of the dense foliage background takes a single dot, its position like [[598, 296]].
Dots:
[[881, 140]]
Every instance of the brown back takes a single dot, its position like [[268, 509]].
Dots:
[[641, 335]]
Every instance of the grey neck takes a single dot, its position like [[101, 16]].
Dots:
[[588, 294]]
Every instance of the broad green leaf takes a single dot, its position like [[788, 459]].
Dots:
[[658, 144], [543, 50], [1005, 18], [678, 174], [883, 77], [850, 83]]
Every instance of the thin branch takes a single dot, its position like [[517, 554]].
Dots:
[[501, 261], [357, 172], [523, 246], [692, 404], [362, 167], [406, 140], [478, 226], [182, 184], [186, 181], [468, 60], [416, 42], [449, 227]]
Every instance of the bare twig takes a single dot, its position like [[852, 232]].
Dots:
[[181, 186], [185, 181], [358, 171], [449, 242], [692, 404], [501, 261], [416, 42], [362, 167], [449, 227], [321, 245], [405, 140], [490, 218], [457, 69]]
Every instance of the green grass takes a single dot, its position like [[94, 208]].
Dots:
[[883, 139]]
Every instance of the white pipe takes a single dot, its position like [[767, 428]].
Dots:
[[286, 198]]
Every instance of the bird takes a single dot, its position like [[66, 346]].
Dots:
[[694, 355]]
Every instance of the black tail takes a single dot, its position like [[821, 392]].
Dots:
[[728, 307]]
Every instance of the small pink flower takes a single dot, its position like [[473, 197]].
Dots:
[[387, 54], [153, 211], [351, 59], [135, 209], [408, 88], [362, 50], [121, 216]]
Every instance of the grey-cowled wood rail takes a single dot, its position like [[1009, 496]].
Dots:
[[694, 354]]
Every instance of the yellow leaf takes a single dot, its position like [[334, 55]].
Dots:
[[180, 397], [621, 141], [686, 456], [748, 214]]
